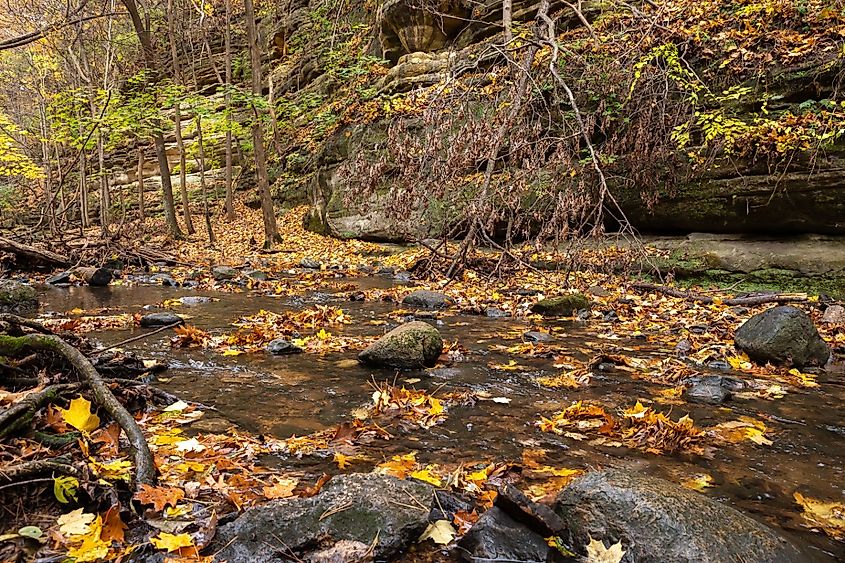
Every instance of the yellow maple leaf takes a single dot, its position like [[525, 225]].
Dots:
[[598, 553], [75, 523], [172, 542], [282, 489], [79, 415], [92, 548]]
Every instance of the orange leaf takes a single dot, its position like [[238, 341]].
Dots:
[[113, 526], [159, 497]]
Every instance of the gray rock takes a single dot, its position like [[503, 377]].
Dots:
[[707, 393], [426, 299], [164, 279], [357, 508], [561, 306], [412, 345], [539, 517], [282, 347], [495, 313], [257, 275], [223, 273], [658, 521], [536, 336], [598, 291], [310, 264], [498, 537], [60, 278], [16, 297], [194, 300], [151, 320], [782, 335], [835, 315]]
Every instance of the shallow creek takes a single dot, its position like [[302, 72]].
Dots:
[[282, 396]]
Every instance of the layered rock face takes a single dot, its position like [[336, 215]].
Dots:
[[429, 42]]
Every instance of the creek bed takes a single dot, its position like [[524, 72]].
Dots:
[[303, 393]]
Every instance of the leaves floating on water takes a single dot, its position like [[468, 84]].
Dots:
[[829, 516]]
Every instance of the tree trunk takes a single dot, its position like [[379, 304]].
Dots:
[[271, 233], [211, 240], [141, 211], [507, 19], [105, 197], [183, 174], [230, 204], [164, 167]]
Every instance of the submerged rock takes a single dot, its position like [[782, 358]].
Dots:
[[16, 297], [659, 521], [561, 306], [152, 320], [708, 391], [194, 300], [426, 299], [782, 335], [282, 347], [498, 537], [495, 313], [412, 345], [371, 509]]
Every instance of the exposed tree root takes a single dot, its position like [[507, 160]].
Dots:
[[21, 413], [29, 469], [12, 345]]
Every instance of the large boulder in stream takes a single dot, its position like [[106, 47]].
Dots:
[[154, 320], [561, 306], [374, 510], [413, 345], [16, 297], [425, 299], [658, 521], [782, 335]]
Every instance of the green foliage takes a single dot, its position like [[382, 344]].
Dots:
[[14, 162]]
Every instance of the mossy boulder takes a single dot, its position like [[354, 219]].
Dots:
[[782, 335], [412, 345], [16, 297], [561, 306]]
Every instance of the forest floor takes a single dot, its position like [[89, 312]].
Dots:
[[90, 507]]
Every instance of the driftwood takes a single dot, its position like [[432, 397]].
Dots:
[[737, 301], [37, 254]]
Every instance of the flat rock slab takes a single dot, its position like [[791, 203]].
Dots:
[[658, 521], [498, 537], [16, 297], [362, 508]]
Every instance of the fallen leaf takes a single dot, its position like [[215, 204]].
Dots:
[[440, 532], [172, 542], [829, 516], [75, 523], [159, 497], [79, 415], [598, 553]]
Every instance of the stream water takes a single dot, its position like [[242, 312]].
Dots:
[[299, 394]]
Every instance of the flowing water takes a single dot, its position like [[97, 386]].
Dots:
[[282, 396]]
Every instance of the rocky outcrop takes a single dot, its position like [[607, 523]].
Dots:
[[562, 305], [658, 521], [782, 335]]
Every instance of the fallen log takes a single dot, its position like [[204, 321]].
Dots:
[[734, 302], [46, 257]]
